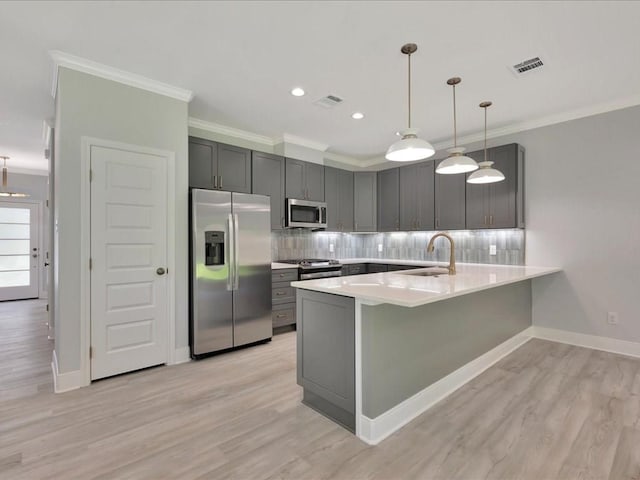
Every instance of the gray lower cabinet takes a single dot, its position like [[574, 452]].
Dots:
[[354, 269], [500, 204], [326, 354], [304, 180], [450, 202], [377, 268], [217, 166], [267, 178], [389, 200], [283, 297], [364, 201], [338, 188], [417, 196]]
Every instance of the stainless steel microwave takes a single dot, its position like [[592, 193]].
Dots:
[[306, 214]]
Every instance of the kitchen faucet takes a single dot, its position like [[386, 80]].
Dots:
[[452, 257]]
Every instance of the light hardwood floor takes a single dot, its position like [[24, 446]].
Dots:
[[546, 411]]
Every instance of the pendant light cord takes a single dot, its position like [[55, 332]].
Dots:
[[455, 132], [485, 134], [409, 89]]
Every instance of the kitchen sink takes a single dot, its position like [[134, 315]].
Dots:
[[426, 272]]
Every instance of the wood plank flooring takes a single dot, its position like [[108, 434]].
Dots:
[[547, 411]]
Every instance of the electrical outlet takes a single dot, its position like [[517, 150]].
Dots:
[[380, 247], [492, 250], [331, 247], [612, 318]]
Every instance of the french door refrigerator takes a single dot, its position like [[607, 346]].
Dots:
[[230, 270]]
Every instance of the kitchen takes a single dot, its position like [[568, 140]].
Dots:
[[567, 190]]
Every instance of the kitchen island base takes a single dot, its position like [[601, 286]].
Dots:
[[373, 367]]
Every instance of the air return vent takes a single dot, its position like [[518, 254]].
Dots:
[[527, 66], [329, 101]]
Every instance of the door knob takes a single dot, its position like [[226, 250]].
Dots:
[[46, 264], [160, 271]]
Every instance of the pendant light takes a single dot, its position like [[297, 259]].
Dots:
[[410, 147], [485, 174], [4, 192], [456, 162]]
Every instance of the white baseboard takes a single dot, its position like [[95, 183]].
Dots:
[[607, 344], [373, 431], [182, 355], [64, 382]]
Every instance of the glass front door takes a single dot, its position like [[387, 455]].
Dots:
[[18, 250]]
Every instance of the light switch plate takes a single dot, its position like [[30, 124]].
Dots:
[[379, 247], [492, 250], [331, 247]]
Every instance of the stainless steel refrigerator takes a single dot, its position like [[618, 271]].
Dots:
[[230, 284]]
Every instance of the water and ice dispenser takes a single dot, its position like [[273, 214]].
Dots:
[[214, 247]]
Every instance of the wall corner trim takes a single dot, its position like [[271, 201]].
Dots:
[[62, 59], [595, 342], [182, 355], [65, 382], [373, 431]]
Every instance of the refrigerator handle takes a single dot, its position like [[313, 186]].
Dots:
[[236, 252], [231, 262]]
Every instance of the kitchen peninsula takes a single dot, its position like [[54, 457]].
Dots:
[[376, 350]]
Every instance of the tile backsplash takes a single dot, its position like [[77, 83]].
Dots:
[[472, 246]]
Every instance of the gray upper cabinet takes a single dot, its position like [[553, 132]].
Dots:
[[364, 201], [268, 179], [389, 200], [217, 166], [500, 204], [417, 196], [234, 169], [304, 180], [202, 155], [450, 202], [338, 188]]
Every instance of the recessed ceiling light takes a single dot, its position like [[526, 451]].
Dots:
[[297, 92], [357, 116]]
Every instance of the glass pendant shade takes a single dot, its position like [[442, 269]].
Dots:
[[456, 162], [3, 190], [409, 148], [485, 174]]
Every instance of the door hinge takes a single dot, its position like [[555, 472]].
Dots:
[[46, 202], [90, 263], [47, 307], [91, 175]]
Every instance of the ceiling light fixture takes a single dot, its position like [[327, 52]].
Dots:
[[297, 92], [4, 192], [485, 174], [410, 147], [357, 116], [456, 162]]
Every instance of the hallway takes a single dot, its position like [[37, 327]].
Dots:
[[25, 351]]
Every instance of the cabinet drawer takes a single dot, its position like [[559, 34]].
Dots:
[[284, 316], [285, 275], [356, 269], [377, 267], [283, 294]]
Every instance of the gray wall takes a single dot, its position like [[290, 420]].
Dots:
[[583, 214], [471, 246], [94, 107]]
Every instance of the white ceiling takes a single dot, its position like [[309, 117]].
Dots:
[[241, 59]]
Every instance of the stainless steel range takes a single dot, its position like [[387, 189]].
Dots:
[[310, 268]]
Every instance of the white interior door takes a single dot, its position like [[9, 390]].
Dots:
[[19, 244], [129, 316]]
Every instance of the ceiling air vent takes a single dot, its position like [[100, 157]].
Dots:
[[329, 101], [527, 66]]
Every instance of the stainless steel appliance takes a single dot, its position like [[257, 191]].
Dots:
[[306, 214], [230, 253], [316, 268]]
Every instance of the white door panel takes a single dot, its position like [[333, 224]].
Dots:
[[128, 245], [19, 255]]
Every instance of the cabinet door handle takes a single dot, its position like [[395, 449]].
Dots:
[[485, 219], [220, 182], [281, 275], [355, 225], [280, 315], [215, 182], [279, 294], [437, 222], [490, 219], [282, 222]]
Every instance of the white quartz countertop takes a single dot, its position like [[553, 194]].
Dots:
[[398, 288], [278, 266]]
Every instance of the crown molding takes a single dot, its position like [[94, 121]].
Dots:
[[62, 59], [230, 131], [302, 142]]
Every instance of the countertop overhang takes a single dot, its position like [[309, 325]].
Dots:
[[398, 288]]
